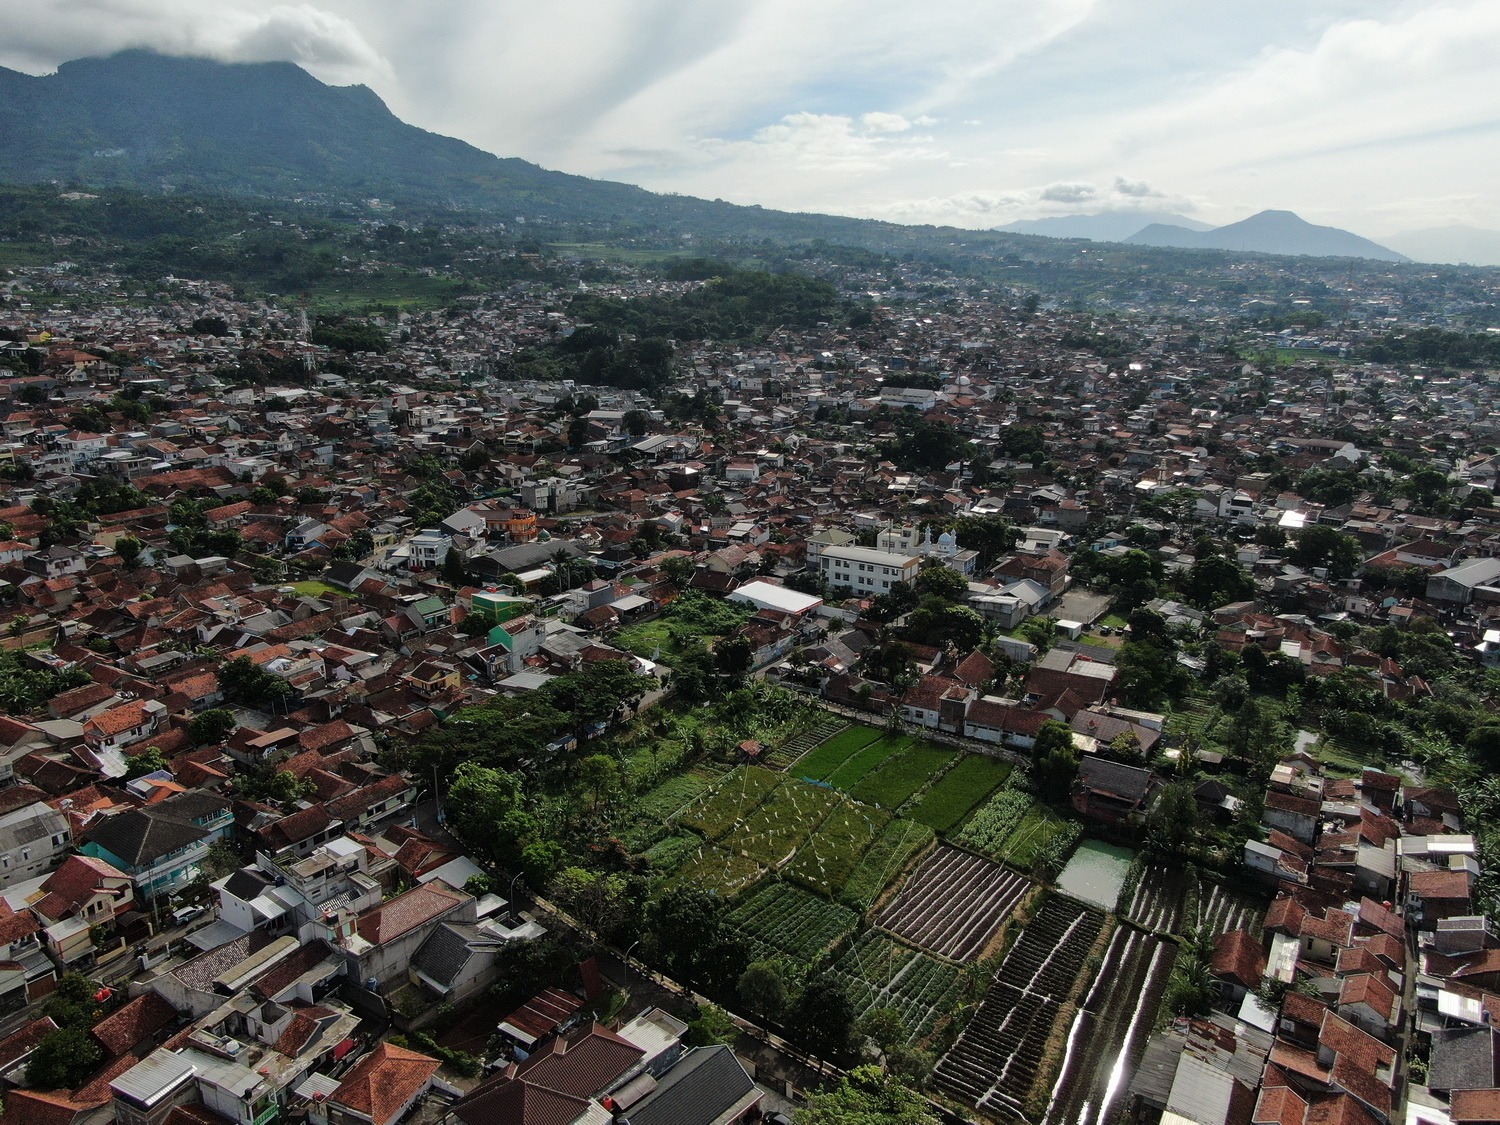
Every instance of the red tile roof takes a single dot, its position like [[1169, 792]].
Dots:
[[142, 1018], [407, 911], [384, 1081]]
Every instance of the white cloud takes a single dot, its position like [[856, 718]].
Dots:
[[1068, 193], [885, 123], [38, 35]]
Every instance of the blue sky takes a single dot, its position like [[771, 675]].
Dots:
[[1379, 116]]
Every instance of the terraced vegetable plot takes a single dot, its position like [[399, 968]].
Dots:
[[719, 872], [1157, 901], [1220, 910], [879, 972], [953, 904], [996, 1059], [989, 828], [789, 751], [825, 862], [1109, 1032], [821, 762], [863, 761], [785, 819], [735, 798], [668, 854], [1035, 834], [969, 782], [793, 922], [887, 857], [899, 776]]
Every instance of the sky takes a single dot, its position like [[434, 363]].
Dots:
[[1378, 116]]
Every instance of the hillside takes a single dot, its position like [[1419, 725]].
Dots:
[[1268, 232]]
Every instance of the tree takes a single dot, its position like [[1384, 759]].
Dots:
[[578, 433], [1214, 580], [1321, 545], [885, 1027], [866, 1097], [636, 422], [212, 726], [1172, 820], [63, 1060], [454, 573], [822, 1020], [600, 775], [1040, 631], [711, 1026], [149, 760], [681, 925], [597, 899], [941, 581], [129, 548], [1055, 773], [762, 990], [1052, 735]]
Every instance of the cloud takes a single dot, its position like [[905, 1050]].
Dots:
[[38, 35], [1138, 189], [1069, 193], [885, 123]]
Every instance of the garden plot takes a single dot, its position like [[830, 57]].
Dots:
[[1013, 828], [1220, 910], [1156, 903], [996, 1059], [780, 824], [794, 748], [887, 858], [718, 872], [784, 919], [953, 904], [735, 798], [864, 760], [652, 812], [891, 785], [879, 972], [821, 762], [973, 779], [1109, 1032], [829, 856]]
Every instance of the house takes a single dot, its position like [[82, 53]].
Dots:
[[33, 840], [708, 1086], [160, 846], [381, 943], [125, 725], [1111, 791], [380, 1089], [866, 570]]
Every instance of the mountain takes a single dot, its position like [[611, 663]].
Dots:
[[1456, 245], [1269, 232], [157, 123], [1107, 226]]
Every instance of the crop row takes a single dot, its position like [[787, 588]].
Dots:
[[786, 818], [864, 761], [735, 798], [794, 748], [954, 904], [901, 775], [718, 872], [878, 972], [793, 921], [970, 781], [825, 861], [888, 855], [988, 828]]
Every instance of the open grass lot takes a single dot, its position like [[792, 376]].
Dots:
[[823, 760], [887, 857], [959, 790], [795, 923], [825, 862], [781, 823], [879, 972], [312, 588], [735, 798], [718, 872], [865, 760], [901, 775]]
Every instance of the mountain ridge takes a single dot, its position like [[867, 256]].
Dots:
[[1102, 226], [1268, 232]]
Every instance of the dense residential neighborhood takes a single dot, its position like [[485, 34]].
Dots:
[[942, 684]]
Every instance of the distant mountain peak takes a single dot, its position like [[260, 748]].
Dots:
[[1269, 232]]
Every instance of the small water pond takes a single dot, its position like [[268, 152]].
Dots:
[[1096, 873]]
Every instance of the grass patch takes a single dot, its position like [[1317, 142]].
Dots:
[[959, 790], [1113, 620], [826, 861], [718, 872], [782, 822], [793, 922], [313, 588], [886, 858], [736, 797], [865, 760], [823, 760], [898, 777], [1032, 837]]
